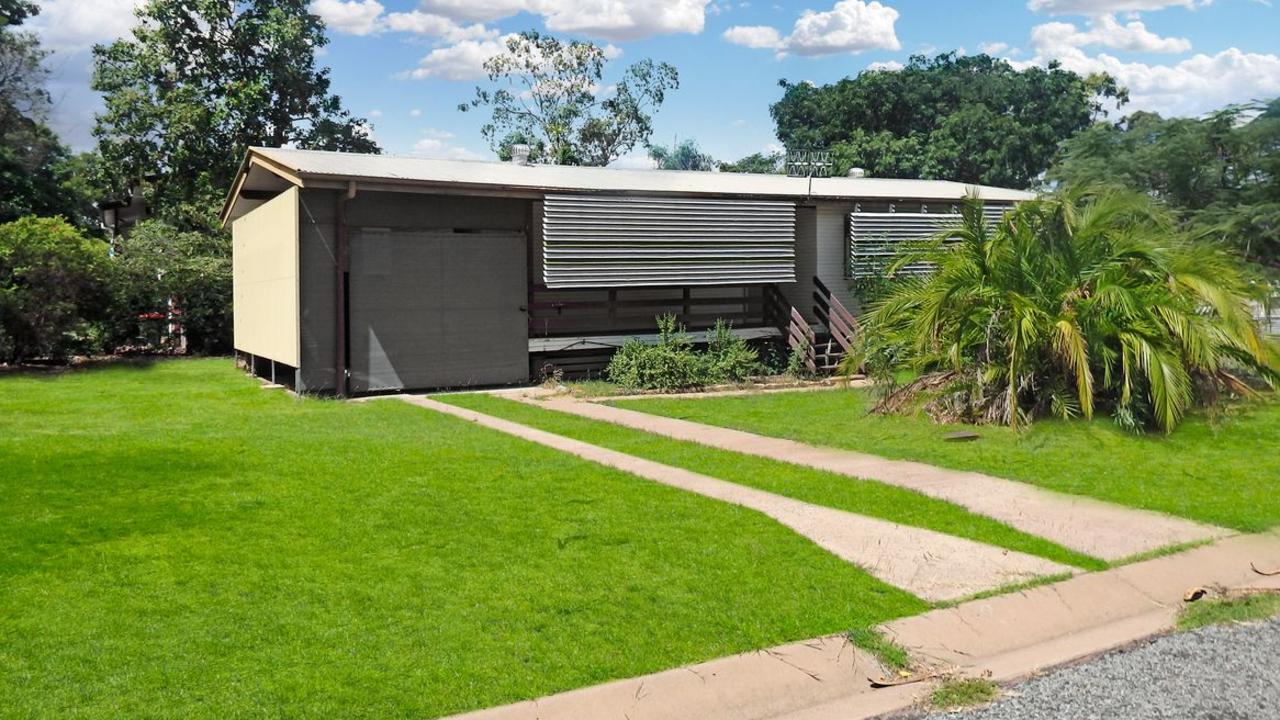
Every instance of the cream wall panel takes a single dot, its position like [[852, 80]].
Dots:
[[264, 246]]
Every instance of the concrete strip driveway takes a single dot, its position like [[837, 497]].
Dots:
[[928, 564], [1089, 526]]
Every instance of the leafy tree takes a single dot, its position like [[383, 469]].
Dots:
[[1219, 173], [766, 163], [14, 12], [1079, 301], [972, 119], [553, 91], [685, 155], [32, 171], [537, 148], [198, 82], [158, 264], [51, 288]]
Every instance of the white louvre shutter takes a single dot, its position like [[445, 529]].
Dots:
[[611, 241], [876, 238]]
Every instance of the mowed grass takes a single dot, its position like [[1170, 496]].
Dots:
[[177, 542], [1224, 471], [810, 485]]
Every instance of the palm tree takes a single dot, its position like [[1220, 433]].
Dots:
[[1083, 299]]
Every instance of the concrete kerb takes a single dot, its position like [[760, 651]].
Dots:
[[1005, 638]]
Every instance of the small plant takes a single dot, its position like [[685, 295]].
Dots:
[[890, 654], [674, 364], [729, 358], [1229, 610], [796, 366], [963, 693]]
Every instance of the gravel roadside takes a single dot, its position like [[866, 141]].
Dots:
[[1229, 672]]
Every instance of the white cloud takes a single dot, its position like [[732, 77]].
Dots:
[[434, 145], [421, 23], [889, 65], [482, 10], [69, 26], [1095, 7], [415, 113], [462, 61], [1055, 38], [754, 36], [375, 113], [993, 48], [1188, 87], [622, 19], [608, 19], [851, 26], [354, 17]]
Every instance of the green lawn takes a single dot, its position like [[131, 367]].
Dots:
[[822, 488], [177, 542], [1225, 471]]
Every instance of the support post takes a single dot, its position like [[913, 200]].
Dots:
[[342, 328]]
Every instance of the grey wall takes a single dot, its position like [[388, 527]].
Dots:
[[395, 211]]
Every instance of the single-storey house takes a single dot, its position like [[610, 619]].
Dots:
[[373, 273]]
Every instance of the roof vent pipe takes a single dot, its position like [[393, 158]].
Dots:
[[520, 154], [857, 173]]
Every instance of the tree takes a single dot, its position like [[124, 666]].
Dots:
[[1085, 300], [14, 12], [766, 163], [1220, 174], [201, 80], [32, 160], [159, 269], [553, 91], [685, 155], [973, 119], [51, 288]]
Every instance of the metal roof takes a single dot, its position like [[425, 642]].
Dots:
[[315, 167]]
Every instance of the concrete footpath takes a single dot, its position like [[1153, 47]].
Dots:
[[1089, 526], [928, 564], [1005, 638]]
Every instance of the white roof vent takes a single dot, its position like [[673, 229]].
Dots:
[[857, 173], [520, 154]]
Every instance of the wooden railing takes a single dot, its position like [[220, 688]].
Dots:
[[585, 311], [842, 327]]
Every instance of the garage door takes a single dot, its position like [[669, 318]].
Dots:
[[437, 309]]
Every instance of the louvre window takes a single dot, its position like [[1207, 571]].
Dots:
[[610, 241]]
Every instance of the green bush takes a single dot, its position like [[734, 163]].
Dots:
[[158, 262], [1087, 299], [52, 289], [674, 364], [729, 358]]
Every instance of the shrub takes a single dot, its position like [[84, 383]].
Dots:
[[52, 288], [729, 358], [157, 263], [673, 364], [1086, 299]]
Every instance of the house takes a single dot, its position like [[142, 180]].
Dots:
[[371, 273]]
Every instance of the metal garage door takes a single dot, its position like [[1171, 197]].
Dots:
[[437, 309]]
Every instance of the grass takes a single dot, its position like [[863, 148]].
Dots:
[[1221, 471], [177, 542], [890, 654], [810, 485], [961, 693], [1219, 611]]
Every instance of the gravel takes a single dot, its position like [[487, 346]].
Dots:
[[1229, 672]]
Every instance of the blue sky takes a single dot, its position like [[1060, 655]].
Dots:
[[406, 64]]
